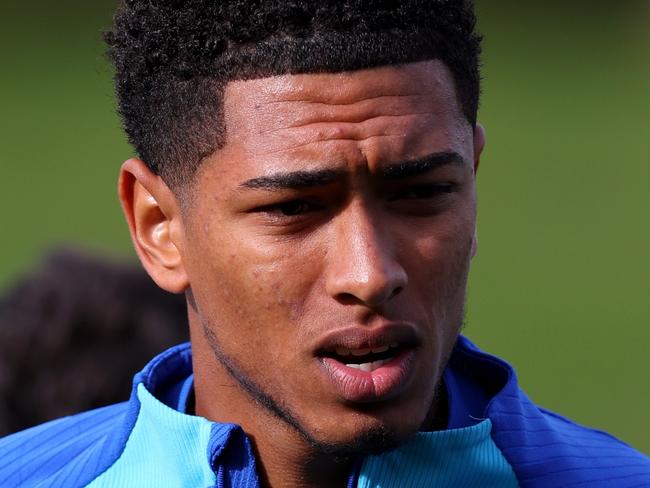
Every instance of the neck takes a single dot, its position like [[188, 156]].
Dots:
[[287, 461], [284, 457]]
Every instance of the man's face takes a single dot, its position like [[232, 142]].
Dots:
[[327, 248]]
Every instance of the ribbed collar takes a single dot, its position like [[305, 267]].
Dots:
[[472, 378]]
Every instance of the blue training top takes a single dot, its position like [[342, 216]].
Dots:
[[496, 437]]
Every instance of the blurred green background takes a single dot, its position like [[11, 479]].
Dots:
[[560, 285]]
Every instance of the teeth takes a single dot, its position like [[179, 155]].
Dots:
[[360, 352], [368, 367]]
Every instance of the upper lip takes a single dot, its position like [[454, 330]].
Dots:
[[368, 337]]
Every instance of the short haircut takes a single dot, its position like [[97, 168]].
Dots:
[[173, 59]]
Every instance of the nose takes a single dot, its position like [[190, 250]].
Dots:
[[362, 263]]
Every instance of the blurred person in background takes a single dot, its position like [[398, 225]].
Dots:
[[73, 333], [307, 181]]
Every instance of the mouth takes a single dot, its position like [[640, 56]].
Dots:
[[366, 359], [369, 366]]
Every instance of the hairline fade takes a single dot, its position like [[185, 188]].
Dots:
[[173, 59]]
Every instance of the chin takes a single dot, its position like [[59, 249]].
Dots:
[[373, 441], [369, 436]]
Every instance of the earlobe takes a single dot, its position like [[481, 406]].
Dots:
[[152, 213]]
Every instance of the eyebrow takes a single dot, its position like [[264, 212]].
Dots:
[[296, 180], [416, 167]]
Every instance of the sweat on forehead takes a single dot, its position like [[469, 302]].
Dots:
[[173, 58]]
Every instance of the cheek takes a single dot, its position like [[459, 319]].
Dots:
[[444, 244], [262, 287], [438, 260]]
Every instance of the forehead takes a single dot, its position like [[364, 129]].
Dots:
[[372, 116]]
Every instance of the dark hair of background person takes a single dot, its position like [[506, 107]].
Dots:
[[174, 57], [75, 331]]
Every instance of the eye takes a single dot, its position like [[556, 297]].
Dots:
[[293, 208], [289, 209], [424, 191]]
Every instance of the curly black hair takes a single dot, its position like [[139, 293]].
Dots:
[[174, 57], [73, 333]]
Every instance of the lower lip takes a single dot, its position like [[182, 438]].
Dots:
[[384, 383]]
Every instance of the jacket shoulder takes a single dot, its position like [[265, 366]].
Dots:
[[545, 449], [548, 450], [69, 452]]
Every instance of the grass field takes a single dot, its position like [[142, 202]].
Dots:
[[560, 286]]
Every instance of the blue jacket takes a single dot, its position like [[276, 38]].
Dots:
[[496, 437]]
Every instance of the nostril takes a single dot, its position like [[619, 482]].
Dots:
[[348, 299], [369, 300], [396, 291]]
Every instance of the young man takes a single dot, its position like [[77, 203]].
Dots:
[[306, 179]]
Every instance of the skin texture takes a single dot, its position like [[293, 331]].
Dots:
[[274, 275]]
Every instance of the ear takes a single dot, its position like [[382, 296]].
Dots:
[[479, 144], [154, 218], [474, 247]]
